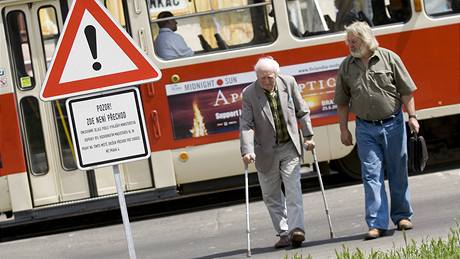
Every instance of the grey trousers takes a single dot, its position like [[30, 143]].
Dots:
[[286, 211]]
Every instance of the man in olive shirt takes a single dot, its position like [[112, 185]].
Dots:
[[373, 83]]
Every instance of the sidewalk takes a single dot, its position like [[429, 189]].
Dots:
[[220, 233]]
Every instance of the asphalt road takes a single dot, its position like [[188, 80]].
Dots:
[[220, 232]]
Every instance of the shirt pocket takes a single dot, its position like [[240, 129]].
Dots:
[[356, 85], [384, 80]]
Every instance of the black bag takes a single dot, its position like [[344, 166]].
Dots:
[[418, 153]]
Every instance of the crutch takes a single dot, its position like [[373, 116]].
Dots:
[[322, 191], [246, 190]]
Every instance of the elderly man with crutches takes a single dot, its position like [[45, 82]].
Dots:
[[271, 110]]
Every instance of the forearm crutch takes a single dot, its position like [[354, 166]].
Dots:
[[246, 190], [313, 151]]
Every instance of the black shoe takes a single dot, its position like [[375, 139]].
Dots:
[[405, 224], [297, 237], [283, 242], [374, 233]]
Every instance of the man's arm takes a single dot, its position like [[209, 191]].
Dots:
[[409, 104], [345, 134], [181, 47], [247, 130], [342, 99]]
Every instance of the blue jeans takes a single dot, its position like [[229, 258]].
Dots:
[[382, 149]]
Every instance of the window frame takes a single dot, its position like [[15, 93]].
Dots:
[[441, 14], [203, 52], [405, 6], [27, 136], [13, 53], [41, 32]]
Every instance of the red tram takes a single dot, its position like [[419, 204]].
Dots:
[[192, 112]]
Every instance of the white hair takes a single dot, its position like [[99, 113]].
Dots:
[[363, 31], [267, 64]]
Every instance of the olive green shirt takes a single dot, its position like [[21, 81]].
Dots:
[[373, 92]]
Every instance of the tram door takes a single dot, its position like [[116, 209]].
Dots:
[[138, 174], [33, 30]]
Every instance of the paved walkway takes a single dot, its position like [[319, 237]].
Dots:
[[220, 233]]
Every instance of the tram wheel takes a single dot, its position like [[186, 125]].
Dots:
[[350, 165]]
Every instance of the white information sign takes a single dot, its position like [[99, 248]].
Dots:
[[108, 128], [168, 5]]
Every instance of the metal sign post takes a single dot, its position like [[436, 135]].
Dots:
[[124, 212], [108, 129]]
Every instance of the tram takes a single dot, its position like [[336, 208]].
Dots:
[[192, 112]]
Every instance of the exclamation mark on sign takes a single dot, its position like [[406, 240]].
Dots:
[[90, 33]]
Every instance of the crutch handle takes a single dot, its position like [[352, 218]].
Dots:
[[313, 151]]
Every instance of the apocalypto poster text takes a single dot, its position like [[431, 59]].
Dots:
[[213, 105]]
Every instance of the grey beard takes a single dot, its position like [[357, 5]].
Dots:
[[357, 54]]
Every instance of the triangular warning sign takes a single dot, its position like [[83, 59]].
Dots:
[[94, 53]]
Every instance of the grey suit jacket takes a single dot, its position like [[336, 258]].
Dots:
[[257, 128]]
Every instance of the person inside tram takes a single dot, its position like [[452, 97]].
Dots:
[[169, 44], [437, 7], [349, 11], [294, 30]]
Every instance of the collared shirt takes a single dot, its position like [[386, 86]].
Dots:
[[282, 134], [170, 45], [373, 92]]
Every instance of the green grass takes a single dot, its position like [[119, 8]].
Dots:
[[433, 248], [428, 249]]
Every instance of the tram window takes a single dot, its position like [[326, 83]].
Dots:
[[65, 142], [35, 142], [313, 17], [442, 7], [209, 26], [118, 11], [49, 31], [20, 50]]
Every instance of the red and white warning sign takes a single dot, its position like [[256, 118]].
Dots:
[[94, 53]]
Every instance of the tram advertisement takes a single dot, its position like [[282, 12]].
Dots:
[[317, 84], [213, 105]]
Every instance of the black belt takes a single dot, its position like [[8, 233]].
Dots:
[[283, 142], [378, 122]]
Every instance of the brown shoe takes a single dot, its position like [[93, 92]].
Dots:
[[405, 224], [297, 237], [283, 242], [373, 233]]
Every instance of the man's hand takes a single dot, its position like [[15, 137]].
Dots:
[[249, 158], [413, 125], [309, 144], [346, 138]]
